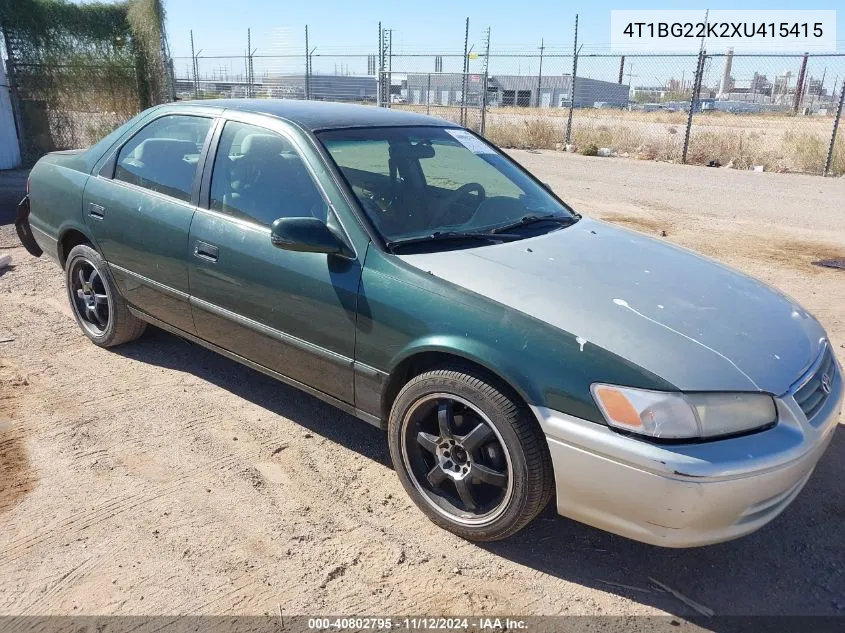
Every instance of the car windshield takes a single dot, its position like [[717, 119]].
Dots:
[[444, 185]]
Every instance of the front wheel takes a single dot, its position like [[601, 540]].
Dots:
[[98, 307], [469, 454]]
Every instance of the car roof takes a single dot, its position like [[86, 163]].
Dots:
[[324, 115]]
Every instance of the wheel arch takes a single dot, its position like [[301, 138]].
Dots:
[[72, 235], [430, 354]]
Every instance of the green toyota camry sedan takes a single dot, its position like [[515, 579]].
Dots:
[[405, 270]]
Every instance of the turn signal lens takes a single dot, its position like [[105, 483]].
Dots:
[[653, 413], [678, 416]]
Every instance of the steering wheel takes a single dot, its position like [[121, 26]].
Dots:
[[462, 197]]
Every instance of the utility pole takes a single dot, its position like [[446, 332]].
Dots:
[[540, 74], [819, 90], [307, 66], [572, 84], [632, 92]]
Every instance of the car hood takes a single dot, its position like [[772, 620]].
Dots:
[[695, 323]]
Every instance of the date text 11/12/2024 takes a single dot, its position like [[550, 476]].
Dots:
[[417, 624]]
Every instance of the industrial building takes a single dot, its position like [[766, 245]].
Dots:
[[322, 87], [318, 87], [551, 91]]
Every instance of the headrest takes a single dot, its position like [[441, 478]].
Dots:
[[263, 145], [163, 149]]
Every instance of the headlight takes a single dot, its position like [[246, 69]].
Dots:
[[679, 415]]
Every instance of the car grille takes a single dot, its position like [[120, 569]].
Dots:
[[811, 395]]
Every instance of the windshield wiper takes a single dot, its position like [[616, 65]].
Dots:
[[562, 220], [442, 236]]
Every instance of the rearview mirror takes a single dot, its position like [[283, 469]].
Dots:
[[307, 235]]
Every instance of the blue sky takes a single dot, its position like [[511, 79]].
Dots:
[[220, 25]]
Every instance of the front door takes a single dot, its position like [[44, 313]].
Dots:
[[288, 311], [140, 218]]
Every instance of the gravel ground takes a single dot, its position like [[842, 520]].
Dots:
[[160, 478]]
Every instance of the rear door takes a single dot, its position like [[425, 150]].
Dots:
[[140, 208], [291, 312]]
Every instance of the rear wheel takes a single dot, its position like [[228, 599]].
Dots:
[[469, 454], [99, 309]]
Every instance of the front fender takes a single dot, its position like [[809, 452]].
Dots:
[[478, 352]]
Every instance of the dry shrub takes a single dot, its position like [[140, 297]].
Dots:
[[731, 146], [808, 151], [796, 150], [653, 144], [777, 141], [529, 134]]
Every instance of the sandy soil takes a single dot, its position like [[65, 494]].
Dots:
[[160, 478]]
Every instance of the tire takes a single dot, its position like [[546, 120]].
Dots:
[[95, 302], [437, 471]]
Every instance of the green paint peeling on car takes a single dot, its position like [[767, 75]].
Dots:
[[408, 272]]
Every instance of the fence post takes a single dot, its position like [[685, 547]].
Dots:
[[194, 68], [385, 51], [464, 79], [622, 70], [693, 102], [799, 87], [572, 84], [540, 72], [428, 96], [249, 92], [484, 80], [380, 68], [829, 162]]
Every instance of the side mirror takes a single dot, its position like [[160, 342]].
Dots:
[[307, 235]]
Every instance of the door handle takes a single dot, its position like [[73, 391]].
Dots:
[[205, 251], [96, 211]]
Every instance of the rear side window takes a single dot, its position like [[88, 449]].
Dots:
[[163, 156], [259, 176]]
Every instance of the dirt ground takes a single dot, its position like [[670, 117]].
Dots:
[[160, 478]]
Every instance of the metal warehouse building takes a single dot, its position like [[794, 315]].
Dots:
[[516, 90], [323, 87]]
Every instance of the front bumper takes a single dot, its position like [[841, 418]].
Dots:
[[686, 495]]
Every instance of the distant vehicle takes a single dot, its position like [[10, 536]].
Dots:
[[398, 99], [408, 272]]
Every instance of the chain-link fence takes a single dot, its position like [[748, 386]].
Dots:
[[770, 112], [77, 71]]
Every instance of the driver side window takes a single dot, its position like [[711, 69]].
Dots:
[[259, 176]]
